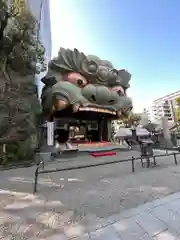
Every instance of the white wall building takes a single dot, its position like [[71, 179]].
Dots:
[[41, 11], [163, 107]]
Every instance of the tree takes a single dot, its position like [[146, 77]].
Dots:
[[178, 101], [132, 120], [21, 56], [178, 109], [20, 48]]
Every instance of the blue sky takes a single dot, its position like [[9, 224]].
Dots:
[[141, 36]]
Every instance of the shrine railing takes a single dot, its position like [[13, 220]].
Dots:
[[150, 161]]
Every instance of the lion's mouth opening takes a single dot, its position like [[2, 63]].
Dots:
[[96, 109], [62, 105]]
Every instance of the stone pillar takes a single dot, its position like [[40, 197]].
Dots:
[[109, 129], [166, 133]]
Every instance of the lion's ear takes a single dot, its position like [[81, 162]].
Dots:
[[125, 75], [123, 78]]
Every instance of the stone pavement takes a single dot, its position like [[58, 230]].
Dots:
[[157, 220], [100, 191], [85, 204]]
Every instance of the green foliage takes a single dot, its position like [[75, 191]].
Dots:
[[178, 101], [178, 114], [20, 47], [132, 119], [178, 109], [18, 152], [21, 57]]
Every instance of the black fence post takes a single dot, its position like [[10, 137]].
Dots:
[[148, 161], [36, 179], [42, 164], [154, 159], [142, 163], [175, 159], [133, 169]]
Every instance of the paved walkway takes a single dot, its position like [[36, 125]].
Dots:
[[157, 220], [76, 205]]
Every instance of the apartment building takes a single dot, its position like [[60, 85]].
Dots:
[[41, 11], [164, 107]]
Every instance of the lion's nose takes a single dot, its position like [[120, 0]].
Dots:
[[100, 95]]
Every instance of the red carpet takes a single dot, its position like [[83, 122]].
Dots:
[[102, 154]]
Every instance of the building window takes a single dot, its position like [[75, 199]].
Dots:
[[167, 115]]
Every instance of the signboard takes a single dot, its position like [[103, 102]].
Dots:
[[50, 133]]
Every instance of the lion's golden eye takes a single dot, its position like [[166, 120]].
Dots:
[[76, 78]]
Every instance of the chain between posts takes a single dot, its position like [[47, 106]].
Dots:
[[41, 166]]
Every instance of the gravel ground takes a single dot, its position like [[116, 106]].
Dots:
[[86, 194]]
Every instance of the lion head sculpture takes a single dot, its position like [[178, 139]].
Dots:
[[85, 83]]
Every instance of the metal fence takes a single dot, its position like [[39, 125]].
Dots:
[[40, 167]]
